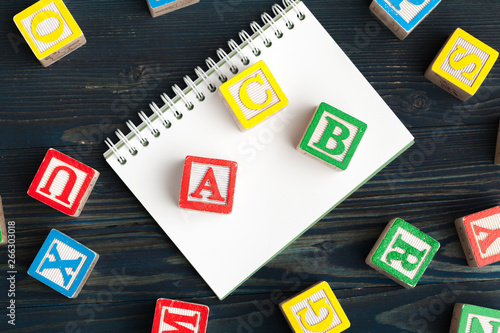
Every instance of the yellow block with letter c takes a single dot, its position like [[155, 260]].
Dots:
[[315, 310], [253, 95]]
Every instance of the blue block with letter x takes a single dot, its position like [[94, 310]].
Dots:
[[63, 264]]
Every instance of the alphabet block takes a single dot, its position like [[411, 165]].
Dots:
[[50, 30], [332, 137], [474, 319], [176, 316], [497, 155], [402, 253], [462, 65], [479, 234], [208, 184], [63, 183], [3, 227], [63, 264], [402, 16], [160, 7], [253, 95], [315, 310]]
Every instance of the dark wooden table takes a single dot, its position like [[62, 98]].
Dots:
[[111, 78]]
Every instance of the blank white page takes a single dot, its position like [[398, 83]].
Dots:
[[280, 192]]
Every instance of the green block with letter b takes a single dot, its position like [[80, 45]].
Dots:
[[332, 136]]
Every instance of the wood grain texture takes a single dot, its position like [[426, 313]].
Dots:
[[130, 59]]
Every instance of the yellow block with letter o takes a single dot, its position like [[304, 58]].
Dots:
[[47, 26]]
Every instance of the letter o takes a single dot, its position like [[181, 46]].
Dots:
[[50, 37]]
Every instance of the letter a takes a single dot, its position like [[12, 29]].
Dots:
[[211, 186], [493, 235], [409, 251]]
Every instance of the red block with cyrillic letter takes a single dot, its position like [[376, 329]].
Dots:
[[179, 317], [208, 184], [63, 183]]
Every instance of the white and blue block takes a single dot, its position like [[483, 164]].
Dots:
[[402, 16], [63, 264]]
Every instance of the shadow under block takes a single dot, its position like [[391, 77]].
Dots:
[[160, 7], [208, 184], [63, 183], [402, 16], [63, 264], [462, 65], [3, 227], [497, 154], [402, 253], [50, 30], [479, 234], [315, 310], [474, 319], [253, 95], [332, 137], [175, 316]]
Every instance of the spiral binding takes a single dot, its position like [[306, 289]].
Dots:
[[225, 59]]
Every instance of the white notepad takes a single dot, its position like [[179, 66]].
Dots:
[[280, 193]]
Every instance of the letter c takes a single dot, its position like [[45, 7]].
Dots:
[[323, 325], [247, 100]]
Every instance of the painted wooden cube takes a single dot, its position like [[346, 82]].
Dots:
[[63, 264], [497, 154], [3, 227], [474, 319], [50, 30], [176, 316], [402, 253], [208, 184], [63, 183], [479, 234], [315, 310], [402, 16], [332, 137], [160, 7], [253, 95], [462, 65]]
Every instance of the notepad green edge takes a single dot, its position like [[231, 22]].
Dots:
[[321, 217]]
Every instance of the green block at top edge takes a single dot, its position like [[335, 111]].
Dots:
[[434, 244], [468, 309], [324, 107]]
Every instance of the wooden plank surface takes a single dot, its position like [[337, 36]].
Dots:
[[131, 58]]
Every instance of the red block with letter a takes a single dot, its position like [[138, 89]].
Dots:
[[179, 317], [63, 183], [208, 184], [480, 237]]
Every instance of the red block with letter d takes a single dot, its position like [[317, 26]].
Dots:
[[63, 183], [179, 317], [208, 184]]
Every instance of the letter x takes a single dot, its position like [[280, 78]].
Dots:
[[493, 235], [61, 264]]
